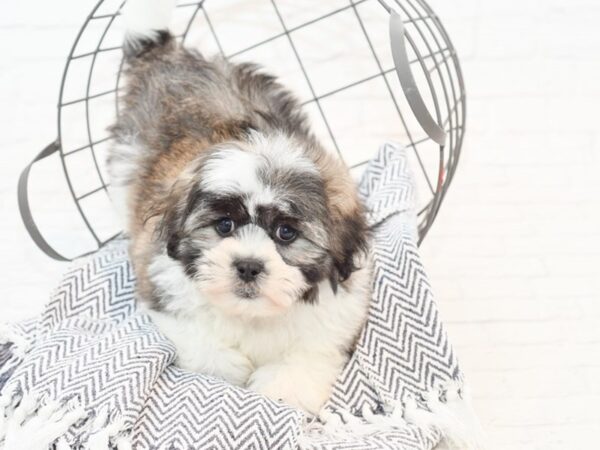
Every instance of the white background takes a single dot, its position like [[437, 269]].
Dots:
[[514, 256]]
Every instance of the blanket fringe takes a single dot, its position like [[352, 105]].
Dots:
[[454, 417], [32, 422], [8, 400], [106, 431], [17, 346], [341, 424], [20, 344]]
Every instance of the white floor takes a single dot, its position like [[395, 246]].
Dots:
[[514, 256]]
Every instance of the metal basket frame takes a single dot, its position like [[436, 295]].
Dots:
[[445, 126]]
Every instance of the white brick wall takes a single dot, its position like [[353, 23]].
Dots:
[[515, 253], [514, 256]]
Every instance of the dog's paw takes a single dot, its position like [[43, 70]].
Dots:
[[233, 366], [301, 386]]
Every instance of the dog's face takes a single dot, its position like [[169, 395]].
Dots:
[[256, 231]]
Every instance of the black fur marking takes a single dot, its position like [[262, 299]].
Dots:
[[181, 249], [217, 206], [312, 274], [188, 254], [231, 206], [333, 282], [173, 245], [268, 217], [311, 296]]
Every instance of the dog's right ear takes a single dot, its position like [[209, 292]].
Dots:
[[169, 230], [173, 243], [176, 230], [174, 208]]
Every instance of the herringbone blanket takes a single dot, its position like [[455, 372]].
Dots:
[[93, 372]]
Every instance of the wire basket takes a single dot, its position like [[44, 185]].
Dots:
[[366, 71]]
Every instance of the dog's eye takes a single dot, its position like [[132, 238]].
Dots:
[[286, 233], [225, 226]]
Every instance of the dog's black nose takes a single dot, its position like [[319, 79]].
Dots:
[[248, 269]]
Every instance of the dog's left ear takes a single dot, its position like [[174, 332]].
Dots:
[[348, 230], [349, 242]]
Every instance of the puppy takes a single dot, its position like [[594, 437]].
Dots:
[[248, 239]]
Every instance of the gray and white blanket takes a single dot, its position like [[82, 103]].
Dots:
[[94, 372]]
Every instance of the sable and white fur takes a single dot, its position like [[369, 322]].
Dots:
[[203, 144]]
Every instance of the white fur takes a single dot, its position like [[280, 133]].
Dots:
[[295, 356], [280, 151], [143, 18], [234, 170], [124, 166]]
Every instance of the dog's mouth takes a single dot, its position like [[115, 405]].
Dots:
[[247, 291]]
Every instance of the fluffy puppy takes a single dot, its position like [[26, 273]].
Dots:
[[248, 239]]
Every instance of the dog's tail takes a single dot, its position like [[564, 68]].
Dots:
[[146, 26]]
